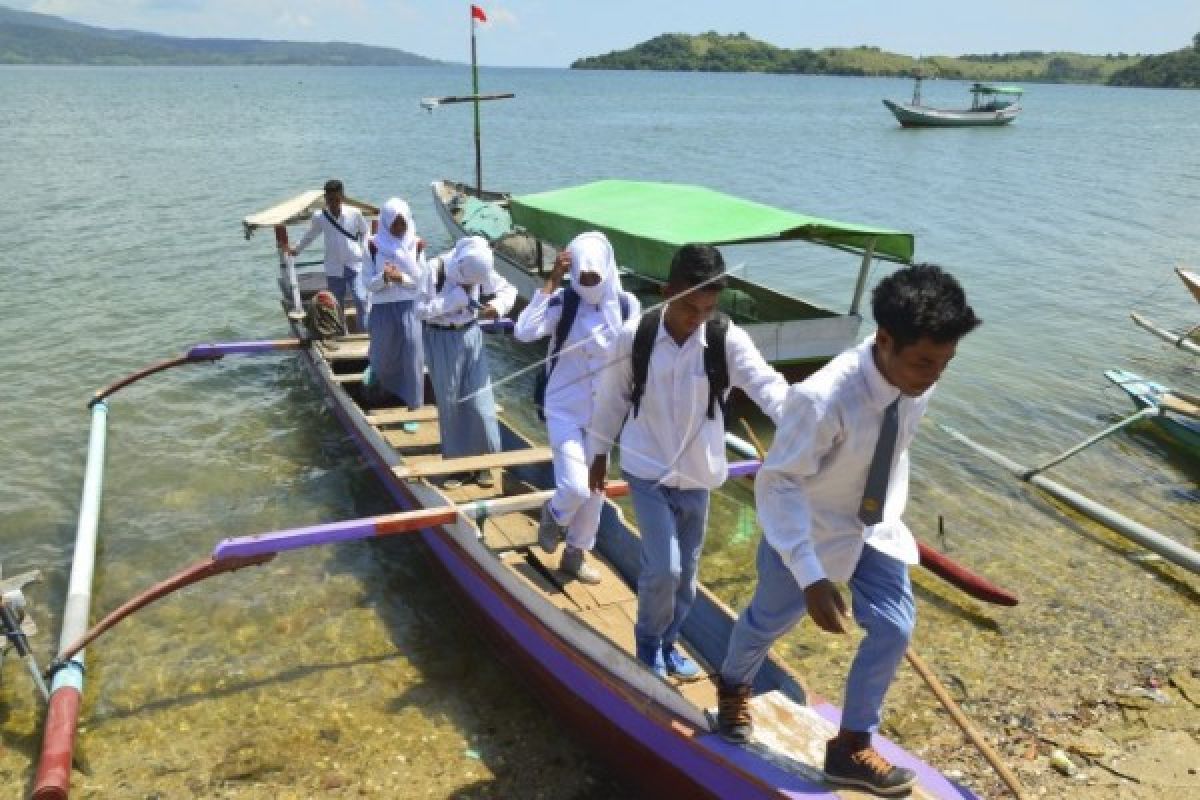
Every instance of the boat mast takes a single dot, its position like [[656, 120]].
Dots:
[[475, 103]]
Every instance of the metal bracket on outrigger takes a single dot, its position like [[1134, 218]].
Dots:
[[18, 626]]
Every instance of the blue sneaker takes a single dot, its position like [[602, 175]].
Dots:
[[680, 666], [650, 654]]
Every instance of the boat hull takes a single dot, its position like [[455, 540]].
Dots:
[[1183, 431], [910, 116]]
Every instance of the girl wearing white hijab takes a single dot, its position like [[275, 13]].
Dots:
[[393, 272], [574, 375], [454, 349]]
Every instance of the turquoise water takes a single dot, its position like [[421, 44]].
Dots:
[[351, 670]]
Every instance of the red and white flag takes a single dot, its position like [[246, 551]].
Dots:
[[477, 14]]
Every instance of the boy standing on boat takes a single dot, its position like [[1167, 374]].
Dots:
[[830, 497], [454, 348], [668, 388], [583, 321], [345, 232]]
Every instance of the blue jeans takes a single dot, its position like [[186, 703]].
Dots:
[[883, 607], [339, 285], [672, 523]]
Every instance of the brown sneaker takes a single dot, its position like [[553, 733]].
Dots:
[[734, 722], [851, 761]]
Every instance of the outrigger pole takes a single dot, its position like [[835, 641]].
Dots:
[[1147, 537], [245, 551]]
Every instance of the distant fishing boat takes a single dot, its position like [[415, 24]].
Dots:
[[990, 106], [1179, 415], [647, 221]]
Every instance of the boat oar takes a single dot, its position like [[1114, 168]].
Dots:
[[199, 353], [935, 685], [245, 551], [940, 564]]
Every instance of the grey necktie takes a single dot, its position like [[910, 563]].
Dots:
[[870, 511]]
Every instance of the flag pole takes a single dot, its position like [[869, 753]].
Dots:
[[475, 103]]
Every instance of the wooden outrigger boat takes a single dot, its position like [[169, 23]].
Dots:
[[575, 641], [1191, 279], [991, 106], [1179, 414], [646, 222]]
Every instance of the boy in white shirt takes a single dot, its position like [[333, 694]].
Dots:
[[672, 374], [830, 496], [345, 232]]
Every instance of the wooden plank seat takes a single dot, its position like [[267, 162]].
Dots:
[[344, 349], [398, 416], [448, 466]]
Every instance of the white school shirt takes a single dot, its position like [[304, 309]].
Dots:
[[811, 484], [413, 268], [671, 440], [340, 252], [456, 304], [582, 360]]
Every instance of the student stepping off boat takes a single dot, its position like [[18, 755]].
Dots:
[[583, 321], [394, 273], [454, 348], [830, 497], [672, 377]]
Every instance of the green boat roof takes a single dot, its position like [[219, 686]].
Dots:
[[983, 88], [647, 222]]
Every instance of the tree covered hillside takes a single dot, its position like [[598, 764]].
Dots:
[[1178, 70]]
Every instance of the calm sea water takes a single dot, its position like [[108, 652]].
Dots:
[[352, 670]]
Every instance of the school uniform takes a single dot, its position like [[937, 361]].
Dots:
[[454, 350], [574, 381], [395, 352], [810, 494], [343, 254], [673, 456]]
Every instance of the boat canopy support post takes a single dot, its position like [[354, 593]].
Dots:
[[1147, 537], [53, 779], [288, 265], [1091, 440], [863, 273]]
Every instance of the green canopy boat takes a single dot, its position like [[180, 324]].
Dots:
[[647, 222]]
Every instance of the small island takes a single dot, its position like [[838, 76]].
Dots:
[[715, 52]]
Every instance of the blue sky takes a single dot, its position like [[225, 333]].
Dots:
[[555, 32]]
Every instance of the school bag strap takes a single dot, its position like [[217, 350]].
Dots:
[[569, 299], [357, 237], [716, 366]]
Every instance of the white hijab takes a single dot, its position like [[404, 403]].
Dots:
[[470, 261], [591, 252], [388, 245]]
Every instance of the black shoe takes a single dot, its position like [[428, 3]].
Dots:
[[851, 761], [734, 722]]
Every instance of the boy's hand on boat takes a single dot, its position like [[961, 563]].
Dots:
[[598, 474], [826, 606], [488, 312]]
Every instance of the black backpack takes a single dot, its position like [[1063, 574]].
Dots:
[[715, 366], [570, 308]]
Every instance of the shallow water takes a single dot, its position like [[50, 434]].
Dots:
[[352, 670]]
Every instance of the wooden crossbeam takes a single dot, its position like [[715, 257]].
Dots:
[[397, 416], [449, 466]]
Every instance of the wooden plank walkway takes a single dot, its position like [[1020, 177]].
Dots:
[[448, 466]]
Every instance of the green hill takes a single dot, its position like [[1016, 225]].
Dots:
[[1177, 70], [714, 52], [29, 38]]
